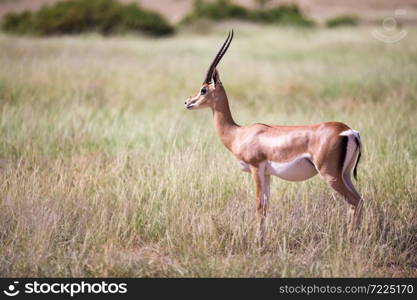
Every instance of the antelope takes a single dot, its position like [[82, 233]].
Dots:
[[293, 153]]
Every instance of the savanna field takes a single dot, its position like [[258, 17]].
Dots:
[[103, 172]]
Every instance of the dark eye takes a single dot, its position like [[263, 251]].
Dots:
[[203, 91]]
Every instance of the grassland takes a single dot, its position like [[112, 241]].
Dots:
[[104, 173]]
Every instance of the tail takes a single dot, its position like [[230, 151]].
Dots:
[[355, 169], [359, 144]]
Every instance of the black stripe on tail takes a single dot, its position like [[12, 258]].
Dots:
[[343, 147], [359, 157]]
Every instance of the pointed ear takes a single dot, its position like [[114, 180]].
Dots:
[[216, 77]]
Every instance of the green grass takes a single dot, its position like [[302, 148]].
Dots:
[[104, 173]]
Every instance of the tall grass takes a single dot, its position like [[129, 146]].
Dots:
[[104, 173]]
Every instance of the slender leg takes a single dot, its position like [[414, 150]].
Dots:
[[336, 171], [262, 182], [354, 200], [355, 210]]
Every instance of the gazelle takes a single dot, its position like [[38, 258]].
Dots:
[[293, 153]]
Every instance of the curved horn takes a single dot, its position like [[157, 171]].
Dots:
[[218, 57]]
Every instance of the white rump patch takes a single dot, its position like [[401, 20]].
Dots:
[[351, 132], [352, 153]]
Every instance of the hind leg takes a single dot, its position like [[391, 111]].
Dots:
[[338, 178], [335, 166], [340, 184], [355, 211]]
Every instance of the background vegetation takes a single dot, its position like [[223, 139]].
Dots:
[[217, 10], [103, 172], [76, 16], [113, 17], [344, 20]]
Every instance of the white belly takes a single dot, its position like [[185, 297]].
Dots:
[[298, 169]]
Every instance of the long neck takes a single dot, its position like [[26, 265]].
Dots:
[[223, 121]]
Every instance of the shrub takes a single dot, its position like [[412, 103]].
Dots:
[[17, 23], [224, 9], [76, 16], [218, 10], [140, 20], [342, 21], [284, 14]]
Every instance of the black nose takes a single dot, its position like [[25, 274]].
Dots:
[[185, 102]]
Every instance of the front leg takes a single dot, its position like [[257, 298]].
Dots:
[[262, 182]]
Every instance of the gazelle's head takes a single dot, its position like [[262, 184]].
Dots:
[[206, 95]]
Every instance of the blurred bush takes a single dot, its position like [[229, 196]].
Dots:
[[345, 20], [217, 10], [76, 16], [224, 9], [285, 14]]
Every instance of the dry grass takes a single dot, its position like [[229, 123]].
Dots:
[[104, 173]]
